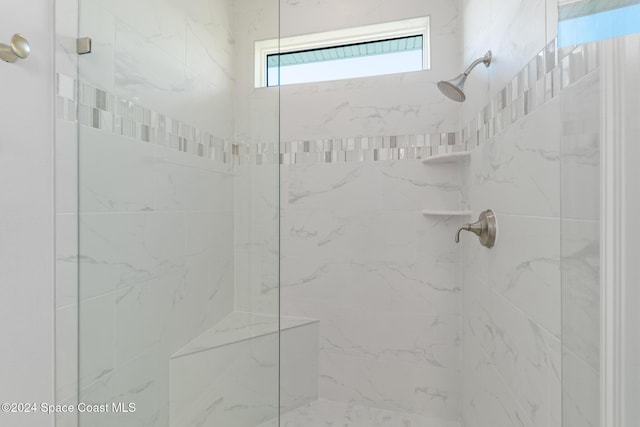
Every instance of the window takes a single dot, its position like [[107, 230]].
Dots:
[[380, 49], [585, 21]]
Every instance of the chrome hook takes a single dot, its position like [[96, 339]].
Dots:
[[485, 228], [19, 48]]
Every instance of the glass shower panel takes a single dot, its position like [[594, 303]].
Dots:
[[178, 215], [580, 105], [598, 65]]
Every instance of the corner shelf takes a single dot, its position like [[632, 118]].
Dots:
[[446, 213], [447, 158]]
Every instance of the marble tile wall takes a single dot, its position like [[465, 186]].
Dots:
[[359, 255], [357, 252], [581, 107], [257, 173], [156, 238], [536, 287]]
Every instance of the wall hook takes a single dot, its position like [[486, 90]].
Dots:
[[19, 48]]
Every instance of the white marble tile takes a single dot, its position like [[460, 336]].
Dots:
[[199, 302], [239, 326], [66, 27], [475, 260], [487, 399], [397, 104], [299, 365], [98, 23], [580, 392], [257, 237], [139, 381], [517, 32], [231, 385], [580, 154], [145, 74], [67, 419], [555, 383], [475, 41], [403, 387], [66, 260], [160, 22], [229, 374], [350, 187], [131, 189], [413, 186], [430, 339], [210, 44], [519, 351], [179, 187], [525, 268], [379, 286], [142, 317], [326, 413], [96, 320], [120, 250], [477, 320], [519, 170], [581, 289], [66, 163], [66, 353]]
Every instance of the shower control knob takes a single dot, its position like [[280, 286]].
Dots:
[[485, 228]]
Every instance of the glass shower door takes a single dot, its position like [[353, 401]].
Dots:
[[178, 219]]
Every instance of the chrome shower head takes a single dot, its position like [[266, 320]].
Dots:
[[454, 88]]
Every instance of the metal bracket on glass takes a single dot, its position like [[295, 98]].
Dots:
[[83, 45], [19, 48]]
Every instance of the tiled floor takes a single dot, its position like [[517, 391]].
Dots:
[[325, 413]]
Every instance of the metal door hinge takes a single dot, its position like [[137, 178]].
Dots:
[[83, 45]]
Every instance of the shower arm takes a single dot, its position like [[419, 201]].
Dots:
[[486, 59]]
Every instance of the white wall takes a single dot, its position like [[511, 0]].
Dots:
[[26, 214]]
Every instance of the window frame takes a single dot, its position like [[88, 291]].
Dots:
[[369, 33]]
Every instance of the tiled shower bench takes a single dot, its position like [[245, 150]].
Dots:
[[226, 375]]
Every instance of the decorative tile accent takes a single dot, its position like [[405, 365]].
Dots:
[[546, 75], [105, 111], [370, 149], [246, 153], [541, 80]]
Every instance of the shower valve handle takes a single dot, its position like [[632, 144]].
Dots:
[[485, 228]]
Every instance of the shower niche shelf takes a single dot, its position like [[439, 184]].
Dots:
[[445, 213], [447, 158]]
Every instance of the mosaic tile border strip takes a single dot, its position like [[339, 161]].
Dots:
[[550, 72], [542, 79], [248, 153], [364, 149], [99, 109]]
